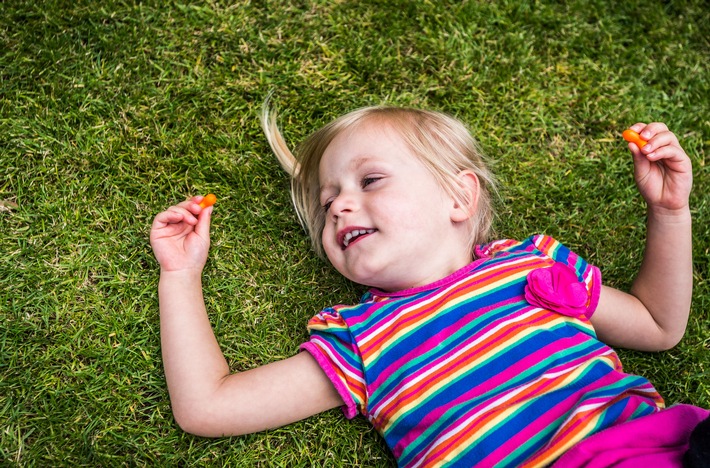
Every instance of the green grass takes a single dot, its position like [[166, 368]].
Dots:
[[112, 110]]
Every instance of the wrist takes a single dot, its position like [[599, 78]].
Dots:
[[180, 292], [670, 215], [183, 275]]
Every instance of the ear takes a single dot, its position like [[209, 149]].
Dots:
[[465, 208]]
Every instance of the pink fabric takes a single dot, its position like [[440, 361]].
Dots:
[[658, 440], [349, 407], [558, 289]]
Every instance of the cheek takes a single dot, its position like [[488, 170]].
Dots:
[[423, 208], [328, 242]]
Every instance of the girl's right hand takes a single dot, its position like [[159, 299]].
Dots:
[[180, 236]]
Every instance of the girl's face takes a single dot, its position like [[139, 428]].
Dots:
[[388, 222]]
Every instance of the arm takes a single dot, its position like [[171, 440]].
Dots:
[[653, 316], [206, 398]]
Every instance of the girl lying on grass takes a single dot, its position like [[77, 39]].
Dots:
[[464, 352]]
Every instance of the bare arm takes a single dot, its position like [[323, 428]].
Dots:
[[653, 316], [206, 398]]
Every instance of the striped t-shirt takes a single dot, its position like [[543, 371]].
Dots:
[[466, 371]]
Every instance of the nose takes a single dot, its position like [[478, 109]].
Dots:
[[343, 204]]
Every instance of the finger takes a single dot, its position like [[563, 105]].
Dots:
[[182, 214], [652, 129], [672, 156], [166, 217], [633, 136], [664, 146], [660, 140], [203, 223], [641, 162], [192, 205], [633, 147], [638, 126], [198, 203], [183, 208]]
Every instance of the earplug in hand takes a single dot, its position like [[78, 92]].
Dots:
[[633, 137], [209, 200]]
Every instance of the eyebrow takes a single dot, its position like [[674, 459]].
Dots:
[[361, 161], [355, 164]]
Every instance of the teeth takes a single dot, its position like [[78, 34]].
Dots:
[[349, 236]]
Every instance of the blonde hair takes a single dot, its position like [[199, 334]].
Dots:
[[441, 142]]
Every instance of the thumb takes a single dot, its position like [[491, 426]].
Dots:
[[202, 228], [641, 162]]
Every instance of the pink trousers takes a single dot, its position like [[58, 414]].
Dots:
[[655, 441]]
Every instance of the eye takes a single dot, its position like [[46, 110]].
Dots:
[[369, 180], [327, 204]]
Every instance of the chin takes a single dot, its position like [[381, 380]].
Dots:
[[366, 278]]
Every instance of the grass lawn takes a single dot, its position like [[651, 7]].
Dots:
[[112, 110]]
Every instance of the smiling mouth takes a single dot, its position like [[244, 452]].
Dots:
[[351, 236]]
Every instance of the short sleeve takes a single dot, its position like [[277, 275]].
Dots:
[[332, 345], [586, 273]]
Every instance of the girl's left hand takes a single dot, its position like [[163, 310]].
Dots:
[[663, 172]]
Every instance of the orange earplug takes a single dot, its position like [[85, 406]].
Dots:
[[633, 137], [209, 200]]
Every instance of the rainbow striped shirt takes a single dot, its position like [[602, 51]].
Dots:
[[467, 372]]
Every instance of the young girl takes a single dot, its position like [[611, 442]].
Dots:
[[462, 353]]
